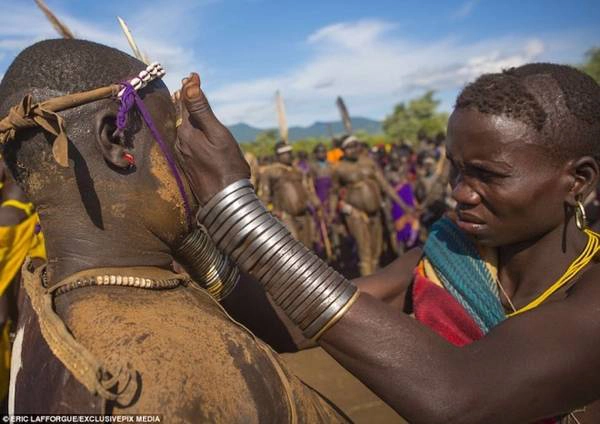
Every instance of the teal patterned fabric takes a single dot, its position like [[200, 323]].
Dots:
[[464, 274]]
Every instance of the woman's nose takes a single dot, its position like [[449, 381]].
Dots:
[[463, 193]]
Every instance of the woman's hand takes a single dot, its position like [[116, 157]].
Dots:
[[208, 153]]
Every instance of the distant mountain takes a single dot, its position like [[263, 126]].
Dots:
[[244, 132]]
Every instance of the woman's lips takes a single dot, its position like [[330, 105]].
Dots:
[[467, 217], [470, 227], [470, 223]]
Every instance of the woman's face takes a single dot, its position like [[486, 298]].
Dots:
[[507, 188]]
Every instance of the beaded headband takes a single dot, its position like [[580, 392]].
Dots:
[[284, 149], [349, 140], [152, 72], [44, 114], [29, 115]]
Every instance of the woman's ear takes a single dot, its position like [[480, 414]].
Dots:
[[585, 172], [109, 141]]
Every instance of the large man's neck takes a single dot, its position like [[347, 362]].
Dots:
[[73, 244]]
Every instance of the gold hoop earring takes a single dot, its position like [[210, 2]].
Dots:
[[580, 217]]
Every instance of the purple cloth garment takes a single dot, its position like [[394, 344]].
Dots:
[[303, 166], [322, 188], [407, 227]]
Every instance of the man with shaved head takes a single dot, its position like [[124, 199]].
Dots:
[[107, 326]]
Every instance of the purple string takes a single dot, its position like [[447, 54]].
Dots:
[[127, 102], [128, 99]]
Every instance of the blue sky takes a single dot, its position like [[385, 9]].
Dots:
[[374, 53]]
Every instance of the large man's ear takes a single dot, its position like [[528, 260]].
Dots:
[[110, 143], [585, 172]]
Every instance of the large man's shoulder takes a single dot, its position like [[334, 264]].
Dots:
[[273, 170]]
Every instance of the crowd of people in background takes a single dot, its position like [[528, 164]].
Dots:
[[358, 206]]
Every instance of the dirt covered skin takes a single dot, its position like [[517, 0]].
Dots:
[[283, 186], [189, 361], [363, 192]]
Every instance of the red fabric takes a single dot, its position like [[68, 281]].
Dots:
[[439, 310]]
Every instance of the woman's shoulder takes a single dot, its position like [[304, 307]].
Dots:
[[588, 281]]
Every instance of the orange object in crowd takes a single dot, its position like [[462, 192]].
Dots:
[[335, 155]]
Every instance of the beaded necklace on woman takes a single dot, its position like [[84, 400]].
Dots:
[[589, 252]]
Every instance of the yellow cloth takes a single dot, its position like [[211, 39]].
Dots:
[[5, 349], [16, 243], [25, 207]]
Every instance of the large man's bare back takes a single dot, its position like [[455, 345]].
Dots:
[[188, 360]]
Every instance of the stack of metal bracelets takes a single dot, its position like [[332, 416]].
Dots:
[[312, 294], [207, 265]]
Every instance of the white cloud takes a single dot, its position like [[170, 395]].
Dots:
[[350, 35], [464, 10], [372, 68]]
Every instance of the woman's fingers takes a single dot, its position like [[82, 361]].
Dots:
[[208, 152], [201, 115]]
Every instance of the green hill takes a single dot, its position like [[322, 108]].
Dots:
[[244, 132]]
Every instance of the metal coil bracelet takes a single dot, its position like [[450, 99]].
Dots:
[[312, 294], [207, 266]]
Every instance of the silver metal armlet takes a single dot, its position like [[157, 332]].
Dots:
[[312, 294], [207, 265]]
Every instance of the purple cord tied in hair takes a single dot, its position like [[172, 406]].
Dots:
[[128, 99], [127, 102]]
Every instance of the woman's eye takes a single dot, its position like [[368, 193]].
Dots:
[[485, 175]]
